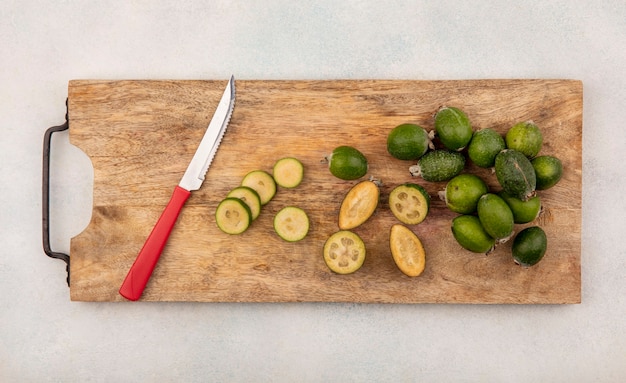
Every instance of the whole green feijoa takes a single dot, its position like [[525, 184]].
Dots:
[[548, 170], [438, 165], [347, 163], [484, 147], [407, 142], [524, 137], [470, 234], [515, 174], [463, 191], [523, 211], [453, 127], [529, 246], [496, 216]]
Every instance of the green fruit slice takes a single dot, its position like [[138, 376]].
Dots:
[[344, 252], [288, 172], [291, 224], [470, 234], [529, 246], [233, 216], [409, 203], [407, 250], [250, 197], [347, 163], [462, 193], [358, 205], [515, 174], [484, 147], [407, 142], [495, 216], [262, 183], [523, 211], [453, 128], [438, 165], [525, 137], [548, 170]]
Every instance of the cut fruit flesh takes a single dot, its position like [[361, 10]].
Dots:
[[250, 197], [288, 172], [291, 224], [409, 204], [407, 250], [344, 252], [358, 205], [233, 216], [262, 183]]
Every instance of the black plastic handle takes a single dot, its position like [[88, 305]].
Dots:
[[46, 196]]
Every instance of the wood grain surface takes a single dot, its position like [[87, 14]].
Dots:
[[140, 136]]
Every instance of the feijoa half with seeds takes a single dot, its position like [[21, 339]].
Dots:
[[409, 203], [344, 252], [529, 246]]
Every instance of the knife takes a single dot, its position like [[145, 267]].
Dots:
[[135, 282]]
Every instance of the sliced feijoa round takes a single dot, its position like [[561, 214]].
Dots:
[[407, 250], [358, 204], [470, 234], [529, 246], [344, 252], [409, 203], [233, 216], [250, 197], [262, 182], [288, 172], [291, 223]]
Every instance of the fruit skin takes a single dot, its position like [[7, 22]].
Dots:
[[417, 198], [407, 250], [463, 191], [548, 170], [484, 147], [358, 205], [495, 216], [515, 174], [407, 142], [438, 165], [524, 137], [346, 241], [347, 163], [529, 246], [470, 234], [523, 211], [453, 128]]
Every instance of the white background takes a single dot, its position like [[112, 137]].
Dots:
[[46, 338]]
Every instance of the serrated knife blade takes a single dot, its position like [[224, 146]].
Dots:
[[137, 278]]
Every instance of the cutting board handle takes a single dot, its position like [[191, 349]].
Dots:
[[47, 138]]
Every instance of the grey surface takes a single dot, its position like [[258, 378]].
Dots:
[[45, 337]]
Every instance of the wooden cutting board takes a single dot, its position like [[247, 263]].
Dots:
[[140, 136]]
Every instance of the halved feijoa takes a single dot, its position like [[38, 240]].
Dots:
[[470, 234], [495, 216], [233, 216], [409, 203], [347, 163], [407, 142], [548, 170], [463, 191], [344, 252], [250, 197], [291, 223], [262, 182], [529, 246], [516, 174], [523, 211], [407, 250], [358, 204], [484, 147], [453, 128], [525, 137], [288, 172], [438, 165]]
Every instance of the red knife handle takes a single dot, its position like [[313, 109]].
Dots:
[[139, 273]]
